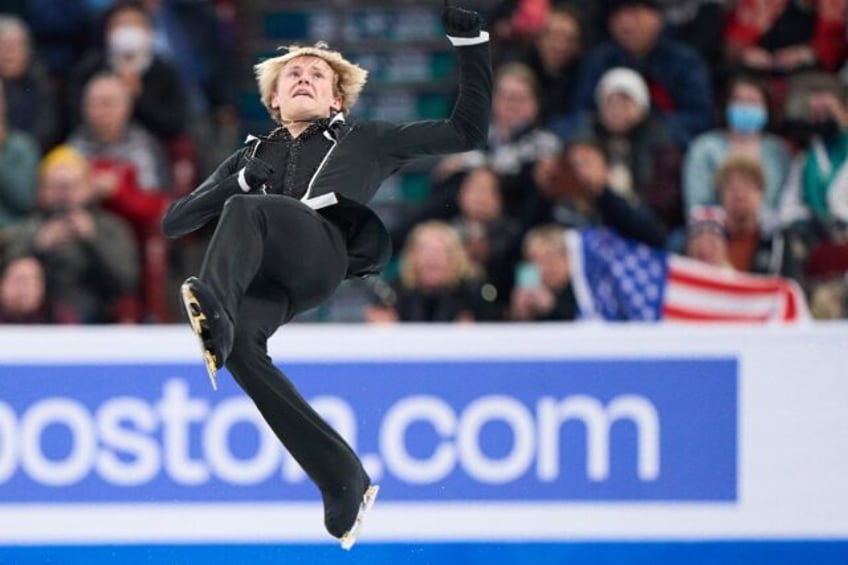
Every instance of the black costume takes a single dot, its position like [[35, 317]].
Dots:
[[285, 248]]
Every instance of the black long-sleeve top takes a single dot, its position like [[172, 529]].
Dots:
[[362, 156]]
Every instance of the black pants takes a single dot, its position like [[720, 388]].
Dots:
[[272, 257]]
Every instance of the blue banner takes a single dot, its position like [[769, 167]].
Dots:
[[559, 430]]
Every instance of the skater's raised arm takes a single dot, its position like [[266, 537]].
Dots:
[[237, 175], [467, 127]]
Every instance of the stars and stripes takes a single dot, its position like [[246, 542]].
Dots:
[[618, 279]]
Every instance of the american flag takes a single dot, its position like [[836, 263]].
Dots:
[[618, 279]]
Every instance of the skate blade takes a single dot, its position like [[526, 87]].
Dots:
[[195, 317], [211, 367], [349, 538]]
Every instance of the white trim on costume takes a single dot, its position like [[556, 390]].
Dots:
[[466, 41]]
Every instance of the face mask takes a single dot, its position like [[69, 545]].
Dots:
[[129, 40], [746, 118], [826, 129], [804, 131]]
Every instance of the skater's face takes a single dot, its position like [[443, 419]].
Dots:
[[306, 89]]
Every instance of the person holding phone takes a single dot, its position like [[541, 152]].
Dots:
[[543, 290], [293, 222]]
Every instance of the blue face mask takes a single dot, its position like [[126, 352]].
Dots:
[[746, 118]]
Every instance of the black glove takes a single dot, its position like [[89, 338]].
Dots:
[[257, 172], [459, 22]]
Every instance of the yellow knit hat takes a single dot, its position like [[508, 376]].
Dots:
[[63, 155]]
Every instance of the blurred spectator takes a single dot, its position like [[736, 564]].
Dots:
[[108, 133], [196, 37], [677, 78], [785, 36], [516, 141], [437, 283], [575, 193], [746, 115], [488, 235], [513, 24], [115, 183], [554, 57], [543, 290], [644, 160], [88, 254], [18, 163], [826, 280], [706, 236], [815, 203], [753, 245], [129, 175], [62, 30], [30, 100], [191, 37], [829, 299], [698, 23], [24, 297], [781, 38], [159, 102], [694, 22]]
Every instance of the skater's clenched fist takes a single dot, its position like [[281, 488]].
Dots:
[[459, 22], [255, 174]]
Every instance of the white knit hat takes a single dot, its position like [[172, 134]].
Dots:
[[626, 81]]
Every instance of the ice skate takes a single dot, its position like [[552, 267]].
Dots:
[[349, 538], [209, 323]]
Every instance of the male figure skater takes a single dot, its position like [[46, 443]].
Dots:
[[292, 223]]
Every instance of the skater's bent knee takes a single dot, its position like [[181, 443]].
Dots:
[[245, 353], [238, 202]]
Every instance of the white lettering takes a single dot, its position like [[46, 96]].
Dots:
[[178, 411], [598, 421], [393, 439], [145, 460], [520, 421], [131, 441], [8, 442]]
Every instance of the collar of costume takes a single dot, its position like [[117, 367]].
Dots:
[[315, 126]]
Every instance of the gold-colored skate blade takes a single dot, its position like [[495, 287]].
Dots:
[[195, 317], [349, 538]]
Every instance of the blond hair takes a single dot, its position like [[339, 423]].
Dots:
[[521, 72], [744, 166], [551, 234], [463, 268], [350, 78]]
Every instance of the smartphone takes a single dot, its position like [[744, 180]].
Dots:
[[527, 275]]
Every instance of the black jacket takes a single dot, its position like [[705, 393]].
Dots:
[[365, 154]]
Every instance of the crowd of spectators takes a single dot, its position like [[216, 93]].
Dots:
[[712, 128], [109, 109]]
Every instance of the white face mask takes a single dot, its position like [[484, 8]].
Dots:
[[131, 45]]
